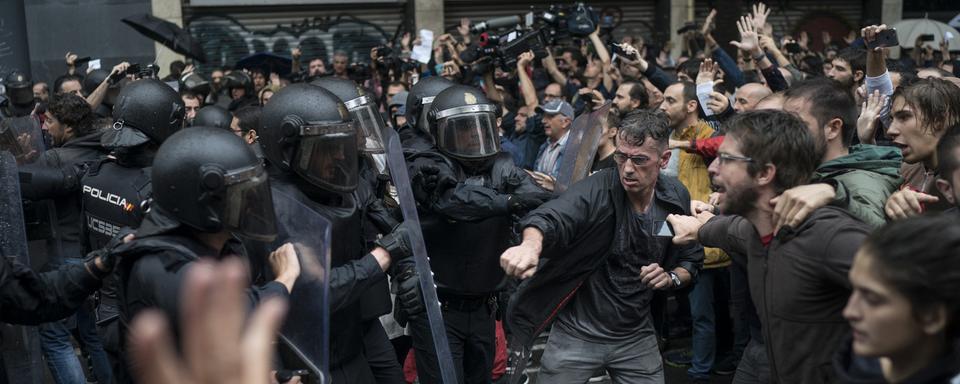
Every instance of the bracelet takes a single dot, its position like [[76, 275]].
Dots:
[[759, 57]]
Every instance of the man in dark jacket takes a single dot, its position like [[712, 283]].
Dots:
[[70, 123], [31, 298], [604, 253], [798, 276]]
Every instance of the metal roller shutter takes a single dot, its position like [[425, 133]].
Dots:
[[788, 16], [637, 16], [230, 33]]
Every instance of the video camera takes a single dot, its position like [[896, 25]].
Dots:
[[388, 60], [565, 21], [138, 71], [503, 50]]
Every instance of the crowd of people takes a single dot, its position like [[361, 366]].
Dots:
[[795, 212]]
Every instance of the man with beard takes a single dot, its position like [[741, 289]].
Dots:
[[681, 107], [70, 123], [797, 277], [849, 67], [948, 180], [631, 96], [858, 178], [606, 259]]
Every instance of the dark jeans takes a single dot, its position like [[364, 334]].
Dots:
[[754, 367], [380, 354], [55, 342], [472, 339], [704, 323]]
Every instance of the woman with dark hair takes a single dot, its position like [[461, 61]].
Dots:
[[905, 308]]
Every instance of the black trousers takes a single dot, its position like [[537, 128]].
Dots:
[[380, 354], [471, 332]]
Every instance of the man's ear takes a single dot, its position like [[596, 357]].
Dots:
[[767, 175], [946, 190], [857, 76], [692, 106], [833, 129], [665, 158]]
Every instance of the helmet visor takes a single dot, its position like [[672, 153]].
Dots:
[[470, 136], [370, 123], [327, 156], [249, 206]]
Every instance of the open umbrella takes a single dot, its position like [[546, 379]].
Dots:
[[168, 34], [268, 62], [910, 29]]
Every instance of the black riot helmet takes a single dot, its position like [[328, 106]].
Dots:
[[420, 97], [239, 79], [208, 179], [464, 124], [93, 79], [19, 88], [213, 116], [363, 107], [146, 110], [308, 131], [195, 83]]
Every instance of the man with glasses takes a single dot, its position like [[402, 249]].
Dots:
[[797, 276], [608, 250]]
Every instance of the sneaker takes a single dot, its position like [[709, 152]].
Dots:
[[727, 366], [678, 358]]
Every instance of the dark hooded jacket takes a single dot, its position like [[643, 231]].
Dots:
[[579, 228], [853, 369]]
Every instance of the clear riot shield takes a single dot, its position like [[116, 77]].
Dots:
[[22, 137], [19, 345], [581, 150], [401, 180], [304, 337]]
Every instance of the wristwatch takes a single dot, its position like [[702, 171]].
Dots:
[[675, 279]]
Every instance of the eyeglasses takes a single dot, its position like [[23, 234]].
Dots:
[[620, 158], [724, 158]]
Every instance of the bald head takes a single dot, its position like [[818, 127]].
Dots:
[[772, 101], [749, 95]]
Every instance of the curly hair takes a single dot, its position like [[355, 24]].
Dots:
[[73, 111]]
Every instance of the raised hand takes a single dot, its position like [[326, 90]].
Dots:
[[708, 22], [869, 113], [749, 42], [708, 71], [759, 16]]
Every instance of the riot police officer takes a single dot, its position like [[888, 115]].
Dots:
[[415, 134], [208, 188], [376, 302], [18, 100], [477, 210], [116, 190], [310, 141], [213, 116]]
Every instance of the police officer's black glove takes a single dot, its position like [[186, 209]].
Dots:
[[107, 256], [397, 242], [523, 202], [429, 179], [409, 302]]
